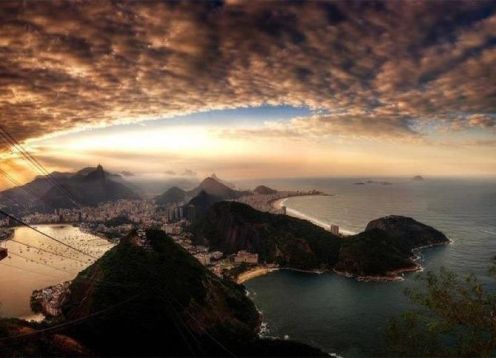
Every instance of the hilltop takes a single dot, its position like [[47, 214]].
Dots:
[[264, 190], [88, 187], [383, 250], [231, 226], [183, 308], [211, 190]]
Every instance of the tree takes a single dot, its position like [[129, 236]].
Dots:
[[457, 318]]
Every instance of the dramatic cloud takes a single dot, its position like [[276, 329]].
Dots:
[[374, 68]]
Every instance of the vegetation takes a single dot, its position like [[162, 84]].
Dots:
[[169, 304], [231, 226], [383, 248], [373, 252], [457, 318]]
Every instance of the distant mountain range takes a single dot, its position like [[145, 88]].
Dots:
[[87, 187], [211, 190]]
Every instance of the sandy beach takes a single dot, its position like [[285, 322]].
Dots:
[[255, 272]]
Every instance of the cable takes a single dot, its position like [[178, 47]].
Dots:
[[30, 271], [46, 235], [69, 323], [37, 165], [47, 251], [39, 263]]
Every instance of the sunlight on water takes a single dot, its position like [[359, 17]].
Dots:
[[29, 265], [348, 317]]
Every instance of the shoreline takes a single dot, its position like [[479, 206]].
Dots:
[[255, 272], [278, 203], [263, 270], [392, 276]]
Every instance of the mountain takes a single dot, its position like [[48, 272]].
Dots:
[[231, 226], [203, 202], [210, 191], [411, 233], [88, 186], [147, 296], [385, 247], [226, 183], [418, 178], [158, 300], [213, 186], [171, 196], [383, 250], [87, 189], [264, 190], [373, 253]]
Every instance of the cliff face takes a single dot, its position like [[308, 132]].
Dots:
[[231, 226]]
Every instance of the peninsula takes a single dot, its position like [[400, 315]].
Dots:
[[383, 251]]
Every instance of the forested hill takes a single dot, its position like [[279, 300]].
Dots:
[[383, 249]]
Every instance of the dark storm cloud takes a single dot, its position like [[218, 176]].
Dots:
[[376, 68]]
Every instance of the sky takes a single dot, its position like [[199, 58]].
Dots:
[[250, 89]]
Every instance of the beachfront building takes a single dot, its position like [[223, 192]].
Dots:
[[246, 257], [334, 229]]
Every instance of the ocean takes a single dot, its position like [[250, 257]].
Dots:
[[348, 317], [36, 262]]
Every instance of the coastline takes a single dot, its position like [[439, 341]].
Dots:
[[259, 271], [395, 275], [254, 272], [278, 203]]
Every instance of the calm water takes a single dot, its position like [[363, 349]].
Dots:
[[29, 268], [348, 317]]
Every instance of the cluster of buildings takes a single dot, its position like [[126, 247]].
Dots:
[[181, 212], [49, 300], [216, 261]]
